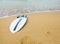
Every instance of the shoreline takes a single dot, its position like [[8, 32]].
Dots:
[[46, 11]]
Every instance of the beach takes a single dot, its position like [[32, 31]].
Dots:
[[41, 28], [43, 24]]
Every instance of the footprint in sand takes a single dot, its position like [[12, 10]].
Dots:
[[27, 40]]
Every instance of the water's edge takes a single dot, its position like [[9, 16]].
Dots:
[[6, 16]]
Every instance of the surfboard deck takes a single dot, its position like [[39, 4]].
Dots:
[[41, 28]]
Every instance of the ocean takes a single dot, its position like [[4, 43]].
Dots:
[[31, 3], [26, 6]]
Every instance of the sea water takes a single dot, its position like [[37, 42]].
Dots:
[[43, 4], [25, 6]]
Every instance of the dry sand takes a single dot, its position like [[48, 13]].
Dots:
[[41, 28]]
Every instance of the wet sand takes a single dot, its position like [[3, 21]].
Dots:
[[41, 28]]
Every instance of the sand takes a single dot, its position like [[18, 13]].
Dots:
[[41, 28]]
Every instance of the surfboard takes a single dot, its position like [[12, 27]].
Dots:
[[18, 23]]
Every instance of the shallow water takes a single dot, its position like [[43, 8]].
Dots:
[[12, 7], [31, 3]]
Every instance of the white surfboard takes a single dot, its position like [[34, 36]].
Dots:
[[18, 23]]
